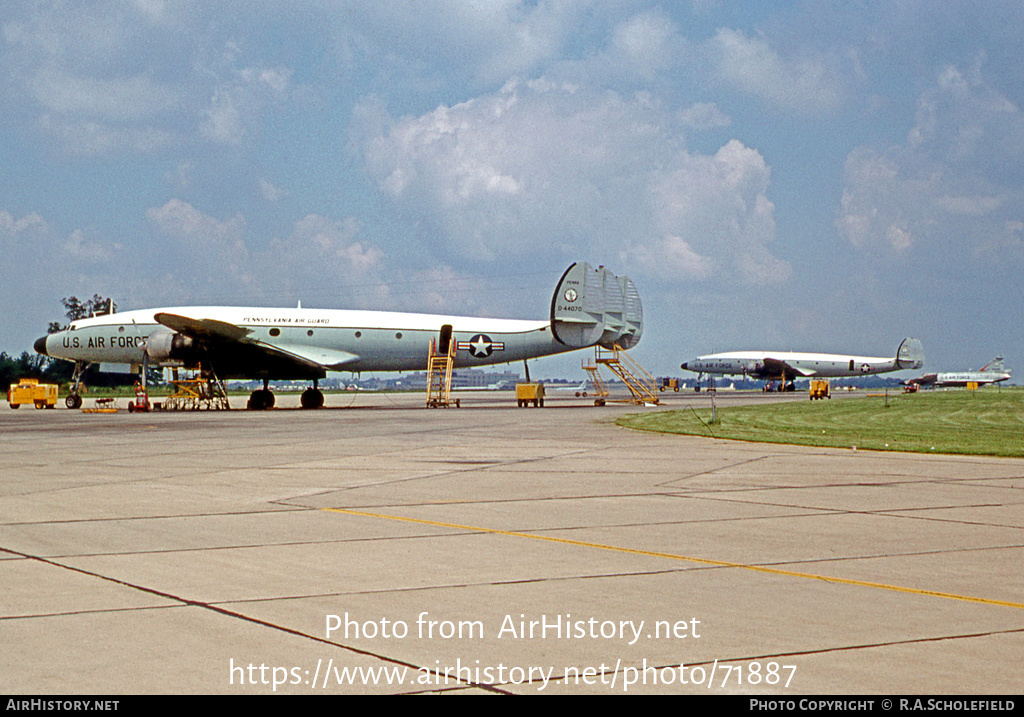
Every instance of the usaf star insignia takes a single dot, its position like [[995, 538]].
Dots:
[[480, 346]]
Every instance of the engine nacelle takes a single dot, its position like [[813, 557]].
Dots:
[[167, 345]]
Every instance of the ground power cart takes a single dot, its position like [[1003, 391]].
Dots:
[[29, 390]]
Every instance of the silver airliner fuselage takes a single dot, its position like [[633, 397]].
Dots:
[[339, 340]]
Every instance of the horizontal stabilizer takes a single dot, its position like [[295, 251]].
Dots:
[[593, 306]]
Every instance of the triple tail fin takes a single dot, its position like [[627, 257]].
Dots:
[[593, 306]]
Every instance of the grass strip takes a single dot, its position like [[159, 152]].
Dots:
[[986, 422]]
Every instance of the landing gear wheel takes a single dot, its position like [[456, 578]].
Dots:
[[261, 400], [312, 398], [73, 401]]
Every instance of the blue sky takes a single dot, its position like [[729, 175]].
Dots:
[[822, 176]]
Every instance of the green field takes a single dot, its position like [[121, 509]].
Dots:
[[986, 422]]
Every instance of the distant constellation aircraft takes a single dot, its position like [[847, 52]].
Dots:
[[786, 366], [589, 307]]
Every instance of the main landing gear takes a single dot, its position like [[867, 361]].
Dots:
[[312, 397], [262, 399]]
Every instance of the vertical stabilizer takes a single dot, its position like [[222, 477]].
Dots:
[[995, 365], [615, 308], [634, 316], [910, 354], [593, 306]]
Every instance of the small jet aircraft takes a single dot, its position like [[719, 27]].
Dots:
[[786, 366], [578, 391], [589, 307], [992, 372]]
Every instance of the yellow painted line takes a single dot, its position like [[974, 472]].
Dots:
[[687, 558]]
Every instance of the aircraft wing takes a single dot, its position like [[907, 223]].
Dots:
[[329, 359], [782, 368], [233, 343], [202, 328]]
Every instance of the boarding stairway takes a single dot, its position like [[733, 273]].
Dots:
[[642, 385], [439, 376]]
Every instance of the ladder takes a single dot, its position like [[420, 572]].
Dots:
[[600, 387], [439, 376], [641, 384]]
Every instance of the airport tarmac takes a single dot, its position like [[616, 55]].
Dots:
[[380, 547]]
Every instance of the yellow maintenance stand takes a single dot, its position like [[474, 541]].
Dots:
[[642, 386], [196, 391], [439, 375]]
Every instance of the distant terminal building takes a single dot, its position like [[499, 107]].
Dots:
[[466, 378]]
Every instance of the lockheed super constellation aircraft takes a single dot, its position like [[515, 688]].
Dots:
[[590, 306], [787, 365], [992, 372]]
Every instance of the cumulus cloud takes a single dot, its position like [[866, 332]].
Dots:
[[704, 115], [269, 192], [714, 217], [323, 260], [87, 138], [222, 120], [240, 97], [953, 177], [328, 246], [80, 248], [645, 43], [44, 264], [30, 241], [121, 99], [205, 250], [12, 229], [135, 78], [543, 168], [484, 42], [185, 224], [84, 72], [804, 83]]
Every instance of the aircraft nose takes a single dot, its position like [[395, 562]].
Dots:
[[683, 366], [40, 346]]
